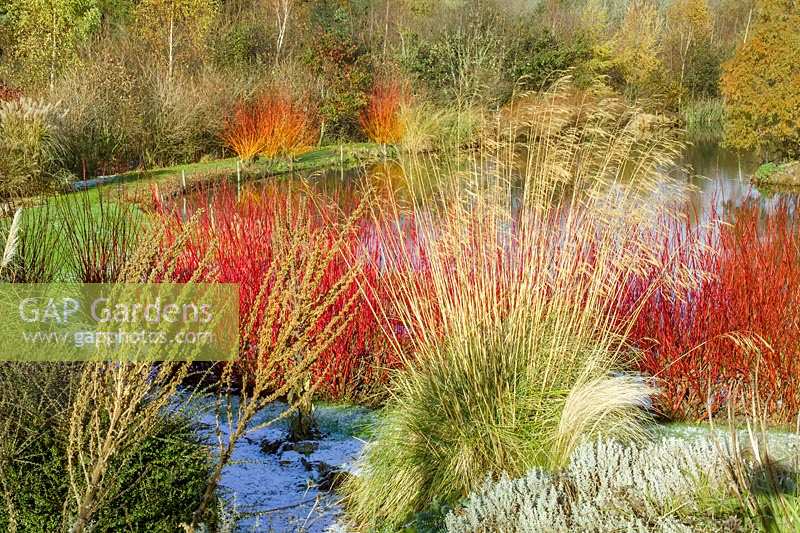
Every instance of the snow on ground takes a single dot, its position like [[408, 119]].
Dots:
[[782, 446], [276, 492]]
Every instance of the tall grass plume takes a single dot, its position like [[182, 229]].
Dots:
[[523, 250]]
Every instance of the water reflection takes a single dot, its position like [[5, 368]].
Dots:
[[721, 182], [712, 180]]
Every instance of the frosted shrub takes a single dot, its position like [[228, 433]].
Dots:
[[605, 487]]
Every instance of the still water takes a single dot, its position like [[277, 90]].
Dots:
[[712, 181], [720, 181]]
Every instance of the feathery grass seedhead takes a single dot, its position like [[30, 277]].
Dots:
[[12, 240], [38, 256]]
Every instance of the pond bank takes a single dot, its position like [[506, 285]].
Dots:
[[138, 182], [775, 174]]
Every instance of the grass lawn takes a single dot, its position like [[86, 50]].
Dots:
[[136, 182], [334, 156]]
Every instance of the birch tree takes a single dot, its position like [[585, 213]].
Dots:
[[173, 27], [46, 35], [637, 44], [690, 25], [283, 11]]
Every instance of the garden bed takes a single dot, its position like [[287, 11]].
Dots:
[[273, 484]]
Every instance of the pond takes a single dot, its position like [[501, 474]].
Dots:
[[717, 181], [720, 180]]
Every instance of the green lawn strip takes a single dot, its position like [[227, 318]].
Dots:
[[346, 156], [334, 156], [56, 223]]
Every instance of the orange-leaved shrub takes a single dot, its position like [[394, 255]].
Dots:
[[277, 124], [381, 119]]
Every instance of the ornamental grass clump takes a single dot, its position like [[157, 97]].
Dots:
[[32, 148], [515, 350], [764, 470]]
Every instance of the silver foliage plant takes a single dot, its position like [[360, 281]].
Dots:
[[607, 486]]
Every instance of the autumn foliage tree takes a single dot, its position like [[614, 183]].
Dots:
[[174, 27], [689, 27], [761, 84], [46, 35], [636, 47]]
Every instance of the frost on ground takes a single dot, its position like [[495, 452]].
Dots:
[[277, 491], [782, 446]]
